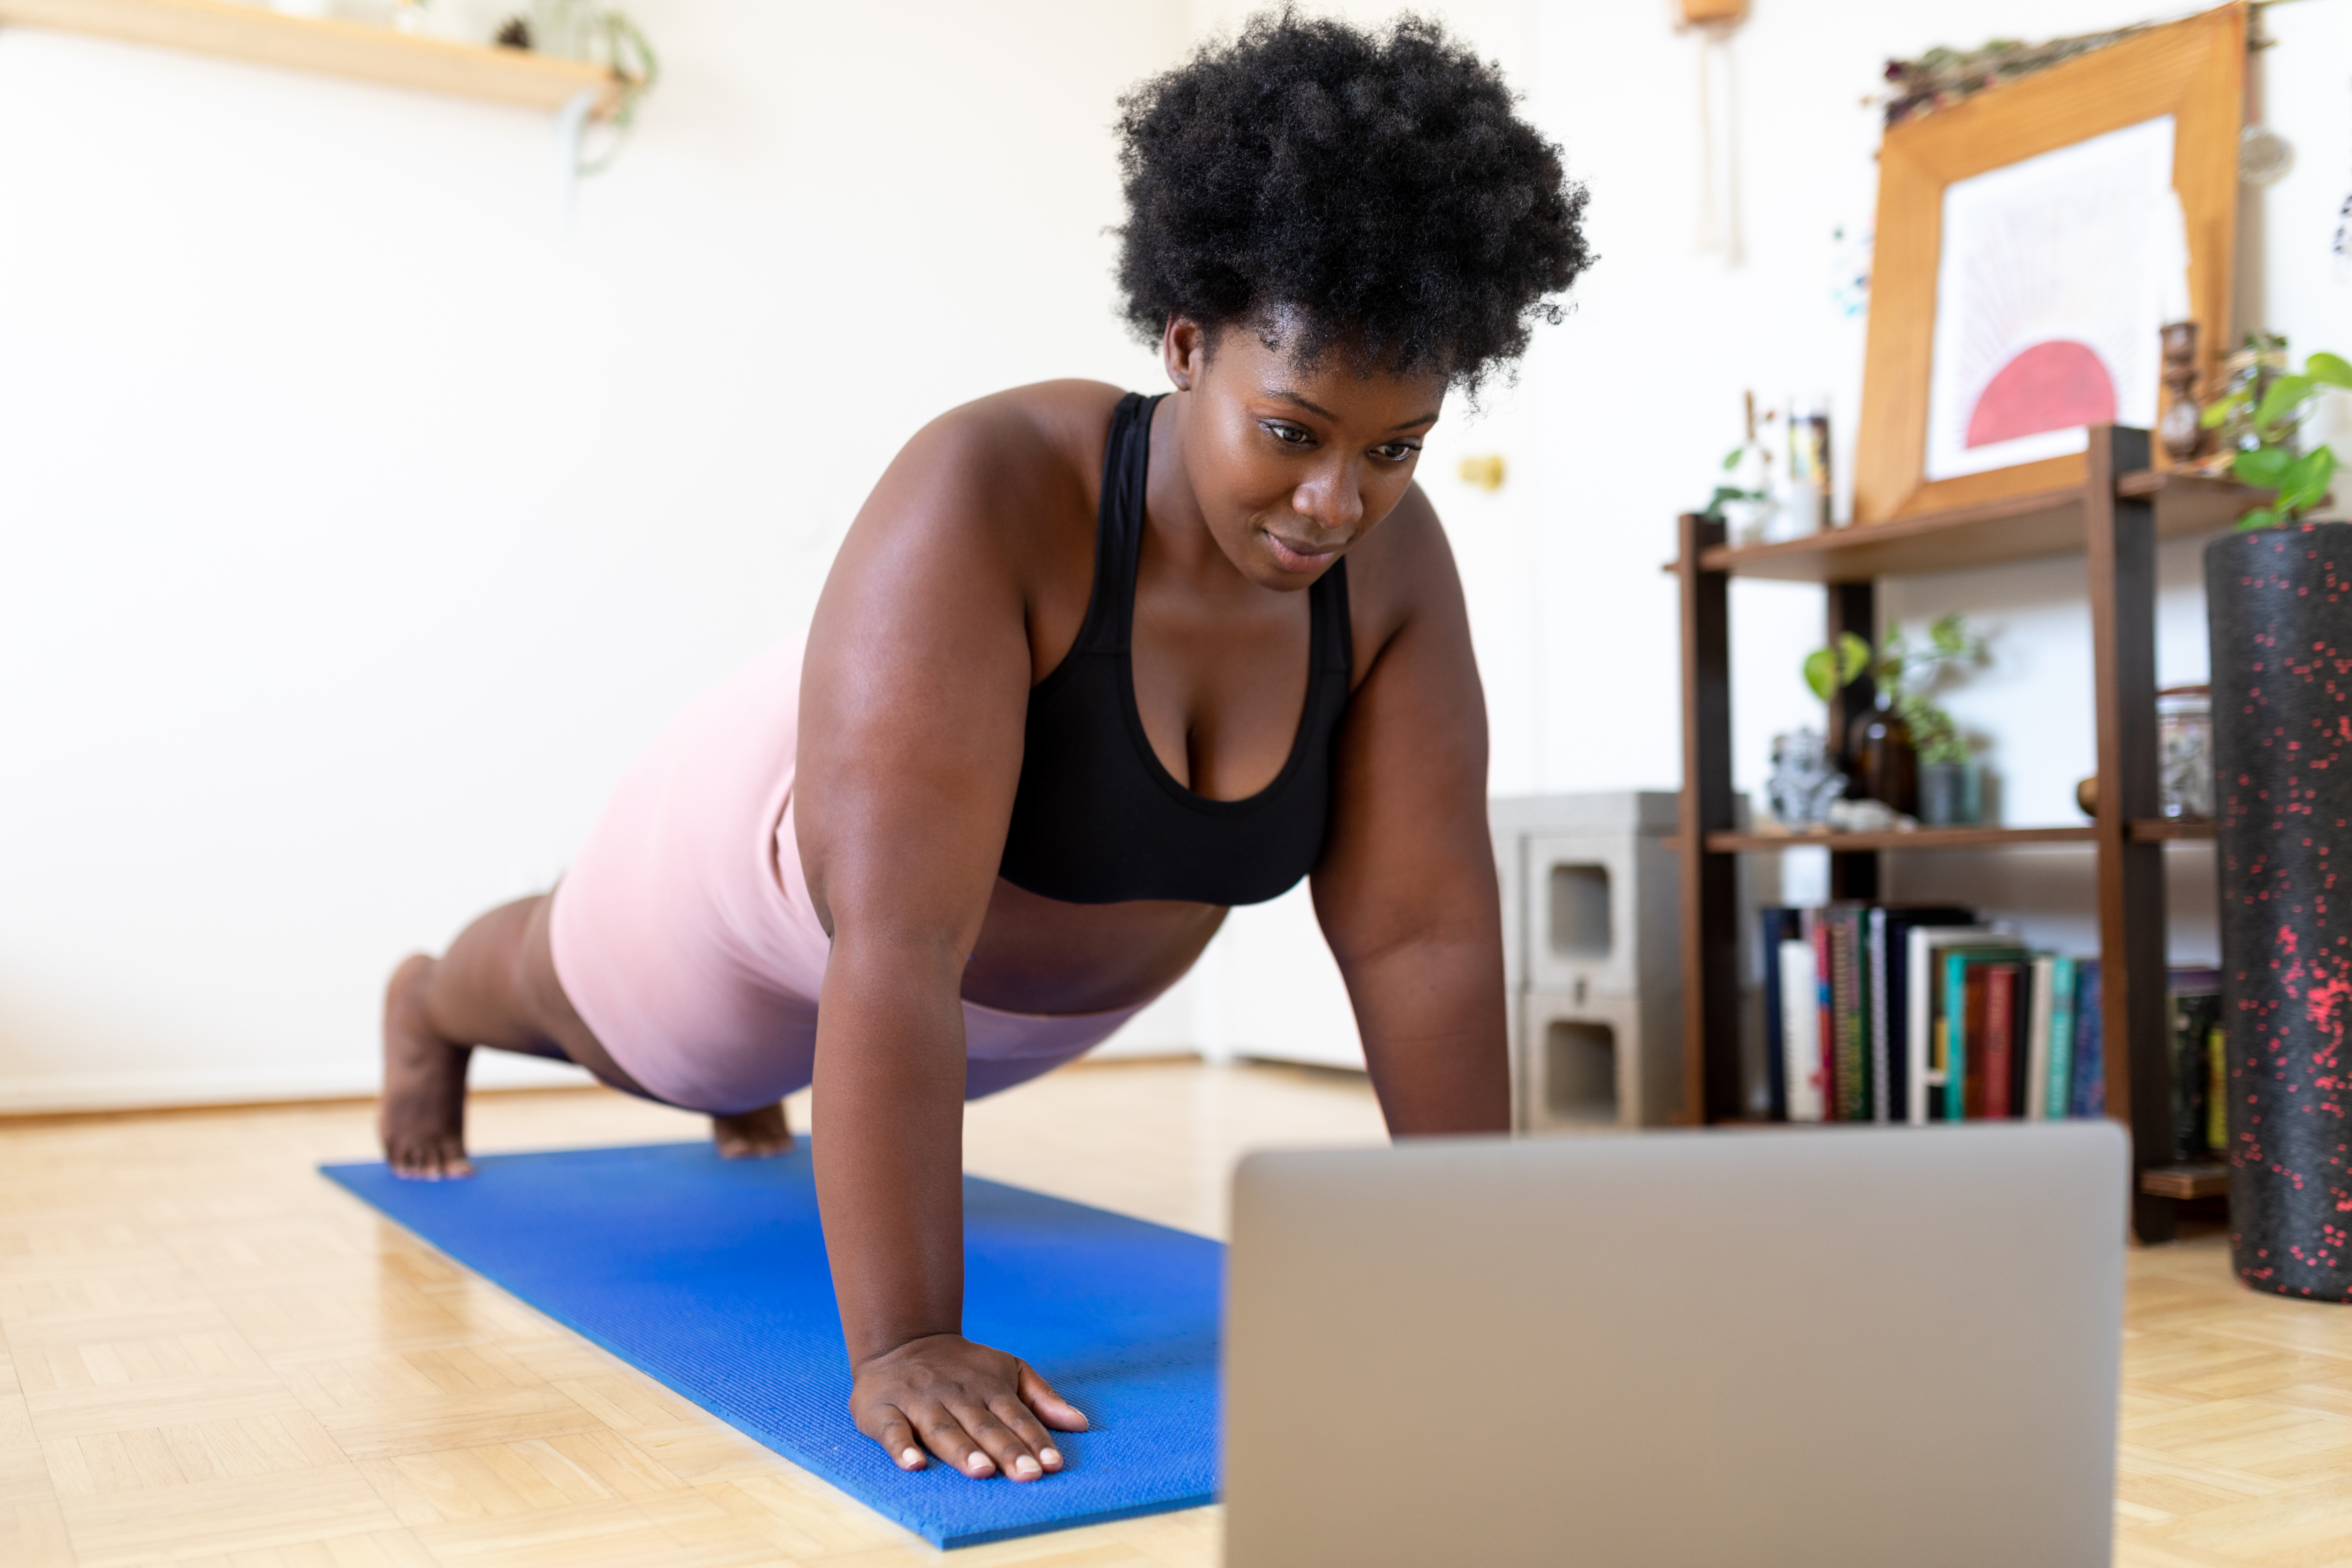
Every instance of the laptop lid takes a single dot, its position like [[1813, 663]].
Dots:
[[1840, 1348]]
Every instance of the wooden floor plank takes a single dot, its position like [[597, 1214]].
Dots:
[[212, 1357]]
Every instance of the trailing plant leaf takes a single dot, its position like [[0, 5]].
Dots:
[[2305, 484], [1828, 671], [2218, 412], [2261, 517], [2331, 369], [2287, 394], [2264, 465]]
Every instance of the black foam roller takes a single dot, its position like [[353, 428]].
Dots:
[[2279, 602]]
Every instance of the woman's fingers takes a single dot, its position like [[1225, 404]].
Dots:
[[1014, 1454], [945, 1435], [1051, 1408], [1033, 1435], [897, 1435]]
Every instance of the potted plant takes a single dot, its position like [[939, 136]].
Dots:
[[2279, 611], [1906, 750]]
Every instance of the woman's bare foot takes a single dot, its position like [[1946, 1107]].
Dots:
[[422, 1116], [760, 1134]]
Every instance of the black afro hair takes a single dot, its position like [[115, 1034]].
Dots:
[[1375, 192]]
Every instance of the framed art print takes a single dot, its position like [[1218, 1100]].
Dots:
[[2031, 240]]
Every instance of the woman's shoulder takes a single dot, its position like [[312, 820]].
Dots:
[[1058, 426]]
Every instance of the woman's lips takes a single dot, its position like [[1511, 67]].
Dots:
[[1301, 557]]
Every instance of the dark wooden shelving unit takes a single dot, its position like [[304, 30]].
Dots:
[[2112, 522]]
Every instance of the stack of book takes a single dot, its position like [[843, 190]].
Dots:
[[1920, 1013]]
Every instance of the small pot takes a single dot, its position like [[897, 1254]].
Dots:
[[1952, 795]]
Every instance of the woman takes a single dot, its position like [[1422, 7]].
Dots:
[[1088, 670]]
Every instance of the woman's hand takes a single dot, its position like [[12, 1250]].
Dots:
[[977, 1409]]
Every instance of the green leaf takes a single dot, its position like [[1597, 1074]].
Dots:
[[1731, 459], [2305, 485], [2329, 368], [1817, 674], [1949, 634], [1853, 657], [2287, 394], [2266, 466], [2261, 517], [2217, 412]]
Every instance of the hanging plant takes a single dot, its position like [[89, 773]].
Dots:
[[1943, 77]]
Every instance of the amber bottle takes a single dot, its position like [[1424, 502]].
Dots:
[[1886, 765]]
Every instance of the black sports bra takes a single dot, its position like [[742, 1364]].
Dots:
[[1096, 818]]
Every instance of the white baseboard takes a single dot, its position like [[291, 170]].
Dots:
[[155, 1089]]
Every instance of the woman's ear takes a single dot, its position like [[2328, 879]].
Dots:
[[1185, 348]]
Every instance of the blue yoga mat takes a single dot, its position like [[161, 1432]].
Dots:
[[709, 1275]]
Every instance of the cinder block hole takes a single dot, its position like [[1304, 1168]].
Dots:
[[1580, 1071], [1579, 911]]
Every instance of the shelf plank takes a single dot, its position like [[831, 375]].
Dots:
[[330, 46], [2162, 829], [1917, 838], [2207, 1181], [2019, 528]]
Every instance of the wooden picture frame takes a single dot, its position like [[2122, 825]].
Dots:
[[2194, 71]]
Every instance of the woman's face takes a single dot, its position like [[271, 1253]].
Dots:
[[1292, 463]]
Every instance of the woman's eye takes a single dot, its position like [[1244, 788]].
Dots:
[[1398, 451], [1290, 434]]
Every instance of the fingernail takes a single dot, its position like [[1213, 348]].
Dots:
[[1025, 1465], [978, 1464], [1051, 1456], [911, 1456]]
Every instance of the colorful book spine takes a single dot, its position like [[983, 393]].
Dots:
[[2039, 991], [2062, 1038], [1800, 1029], [1772, 925], [2217, 1091], [1882, 1108], [1955, 1036], [1848, 1001], [1818, 928], [2000, 1038], [2089, 1096]]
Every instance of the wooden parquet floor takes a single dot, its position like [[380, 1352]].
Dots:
[[215, 1357]]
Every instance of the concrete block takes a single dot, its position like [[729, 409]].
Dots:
[[1602, 1060]]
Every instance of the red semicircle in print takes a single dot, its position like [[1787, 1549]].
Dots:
[[2053, 386]]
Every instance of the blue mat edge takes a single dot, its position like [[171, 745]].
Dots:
[[945, 1542]]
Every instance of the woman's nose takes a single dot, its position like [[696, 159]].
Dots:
[[1332, 500]]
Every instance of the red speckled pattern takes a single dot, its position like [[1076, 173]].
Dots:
[[2279, 607]]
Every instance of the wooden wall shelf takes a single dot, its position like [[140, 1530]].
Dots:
[[2147, 830], [2048, 522], [2178, 1182], [1916, 839], [249, 32], [2111, 525]]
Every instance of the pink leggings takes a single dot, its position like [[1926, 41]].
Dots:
[[685, 936]]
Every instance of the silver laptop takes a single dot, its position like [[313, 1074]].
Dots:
[[1845, 1348]]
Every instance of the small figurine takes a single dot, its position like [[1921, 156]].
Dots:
[[2179, 428], [1804, 782]]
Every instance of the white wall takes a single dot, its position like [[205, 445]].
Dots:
[[359, 526]]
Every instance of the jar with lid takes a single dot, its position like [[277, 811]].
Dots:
[[2184, 753]]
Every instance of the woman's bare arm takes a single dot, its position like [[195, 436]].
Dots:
[[1405, 891], [913, 698]]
